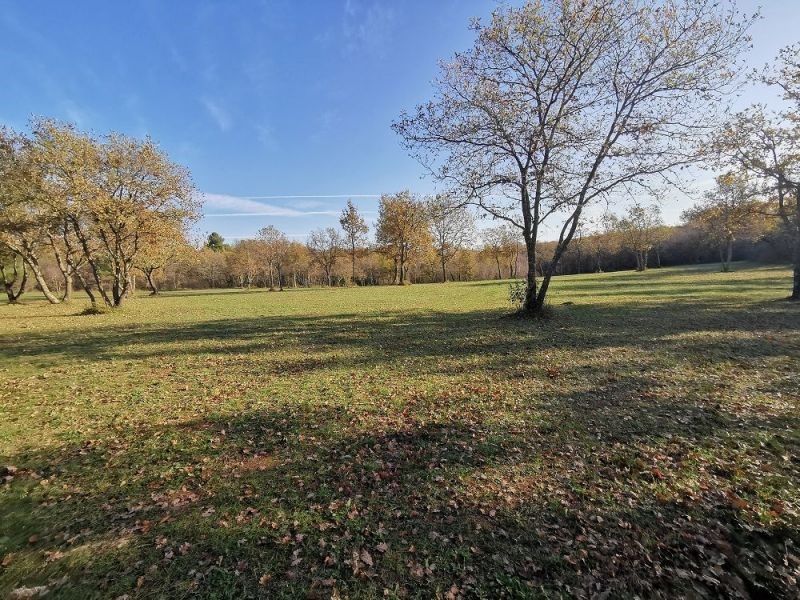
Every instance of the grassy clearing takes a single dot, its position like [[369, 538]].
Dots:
[[407, 442]]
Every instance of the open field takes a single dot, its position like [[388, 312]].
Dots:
[[408, 442]]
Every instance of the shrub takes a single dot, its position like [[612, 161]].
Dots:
[[516, 293]]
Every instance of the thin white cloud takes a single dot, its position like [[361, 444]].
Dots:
[[218, 113], [367, 24], [324, 196], [275, 211], [250, 237], [223, 205]]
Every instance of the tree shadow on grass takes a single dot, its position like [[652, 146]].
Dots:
[[608, 491], [434, 342]]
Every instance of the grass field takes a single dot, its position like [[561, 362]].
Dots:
[[408, 442]]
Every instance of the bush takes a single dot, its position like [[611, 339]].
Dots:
[[517, 290]]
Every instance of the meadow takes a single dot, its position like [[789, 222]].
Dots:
[[408, 442]]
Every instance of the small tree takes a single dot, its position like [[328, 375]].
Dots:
[[216, 242], [355, 233], [727, 212], [496, 247], [402, 230], [661, 234], [501, 245], [452, 228], [160, 251], [325, 246], [276, 247], [245, 260], [638, 231], [212, 266]]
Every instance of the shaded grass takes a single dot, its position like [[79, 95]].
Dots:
[[407, 442]]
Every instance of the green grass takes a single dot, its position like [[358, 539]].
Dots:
[[407, 442]]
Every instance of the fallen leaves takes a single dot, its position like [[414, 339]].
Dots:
[[425, 452]]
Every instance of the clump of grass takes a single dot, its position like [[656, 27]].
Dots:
[[95, 309]]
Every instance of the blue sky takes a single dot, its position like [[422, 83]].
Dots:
[[280, 107]]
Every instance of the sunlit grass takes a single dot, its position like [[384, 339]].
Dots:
[[406, 441]]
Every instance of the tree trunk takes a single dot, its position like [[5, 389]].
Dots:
[[121, 285], [499, 273], [727, 256], [402, 265], [150, 283], [86, 286], [353, 258], [796, 254], [539, 297], [658, 258], [444, 270], [64, 265], [84, 243], [33, 263], [68, 286], [116, 292], [280, 279], [13, 297], [530, 306]]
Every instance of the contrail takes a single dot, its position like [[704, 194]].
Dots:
[[322, 196], [273, 214]]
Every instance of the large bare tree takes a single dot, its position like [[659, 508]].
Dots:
[[563, 103]]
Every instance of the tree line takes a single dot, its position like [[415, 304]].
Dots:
[[416, 241]]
